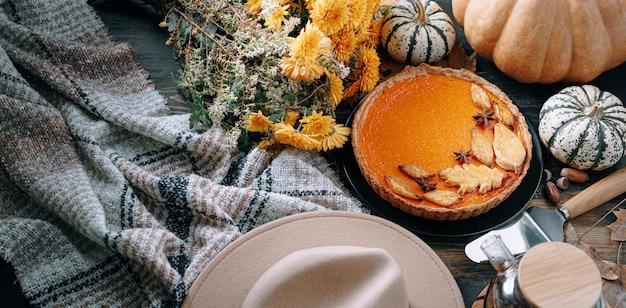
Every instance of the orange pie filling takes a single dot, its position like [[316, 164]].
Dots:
[[441, 143]]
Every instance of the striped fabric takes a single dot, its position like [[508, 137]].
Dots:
[[106, 198]]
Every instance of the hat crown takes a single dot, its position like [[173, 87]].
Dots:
[[331, 276]]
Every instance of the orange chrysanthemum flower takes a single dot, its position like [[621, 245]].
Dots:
[[310, 43], [335, 139], [357, 9], [304, 53], [330, 15], [344, 44], [309, 4], [299, 70], [371, 63], [352, 89], [372, 6], [258, 123], [335, 91], [317, 124], [286, 134], [291, 116], [371, 35], [269, 144]]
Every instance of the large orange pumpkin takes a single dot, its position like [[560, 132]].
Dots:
[[539, 41]]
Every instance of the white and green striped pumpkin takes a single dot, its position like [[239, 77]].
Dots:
[[417, 31], [584, 127]]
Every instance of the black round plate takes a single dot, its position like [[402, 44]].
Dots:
[[498, 216]]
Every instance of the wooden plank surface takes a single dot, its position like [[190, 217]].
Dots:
[[137, 23], [130, 23]]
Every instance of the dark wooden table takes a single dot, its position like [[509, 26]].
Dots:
[[137, 23], [133, 23]]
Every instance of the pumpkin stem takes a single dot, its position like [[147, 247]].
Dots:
[[421, 14], [595, 112]]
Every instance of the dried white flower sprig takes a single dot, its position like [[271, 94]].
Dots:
[[273, 71]]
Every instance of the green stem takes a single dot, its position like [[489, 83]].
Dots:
[[310, 95], [201, 29]]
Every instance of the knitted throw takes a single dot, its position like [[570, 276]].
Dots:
[[105, 198]]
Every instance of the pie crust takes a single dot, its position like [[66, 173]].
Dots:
[[422, 116]]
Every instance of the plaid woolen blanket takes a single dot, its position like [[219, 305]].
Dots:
[[106, 198]]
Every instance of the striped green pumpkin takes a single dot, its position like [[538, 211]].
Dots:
[[417, 31], [584, 127]]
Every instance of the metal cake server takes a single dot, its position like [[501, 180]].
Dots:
[[537, 225]]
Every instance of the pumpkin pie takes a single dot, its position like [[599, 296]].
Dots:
[[441, 143]]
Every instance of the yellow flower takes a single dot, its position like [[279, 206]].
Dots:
[[309, 4], [277, 18], [370, 36], [317, 124], [358, 8], [291, 116], [336, 139], [344, 44], [297, 70], [371, 62], [304, 52], [268, 144], [330, 15], [376, 26], [352, 89], [336, 89], [372, 6], [286, 134], [253, 7], [311, 42], [258, 123], [264, 144]]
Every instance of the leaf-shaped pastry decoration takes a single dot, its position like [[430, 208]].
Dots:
[[414, 171], [480, 97], [482, 148], [400, 188], [504, 115], [508, 148], [444, 198], [470, 177]]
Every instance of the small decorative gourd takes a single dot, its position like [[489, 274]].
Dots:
[[584, 127], [539, 41], [417, 31]]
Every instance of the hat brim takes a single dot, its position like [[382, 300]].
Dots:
[[227, 279]]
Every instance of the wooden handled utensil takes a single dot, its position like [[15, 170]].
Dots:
[[537, 225]]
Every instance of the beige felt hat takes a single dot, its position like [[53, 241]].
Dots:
[[328, 259]]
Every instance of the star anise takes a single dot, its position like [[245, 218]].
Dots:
[[425, 183], [462, 155], [483, 117]]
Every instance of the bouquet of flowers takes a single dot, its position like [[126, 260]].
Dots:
[[273, 71]]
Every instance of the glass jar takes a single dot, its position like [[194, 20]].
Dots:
[[504, 290]]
